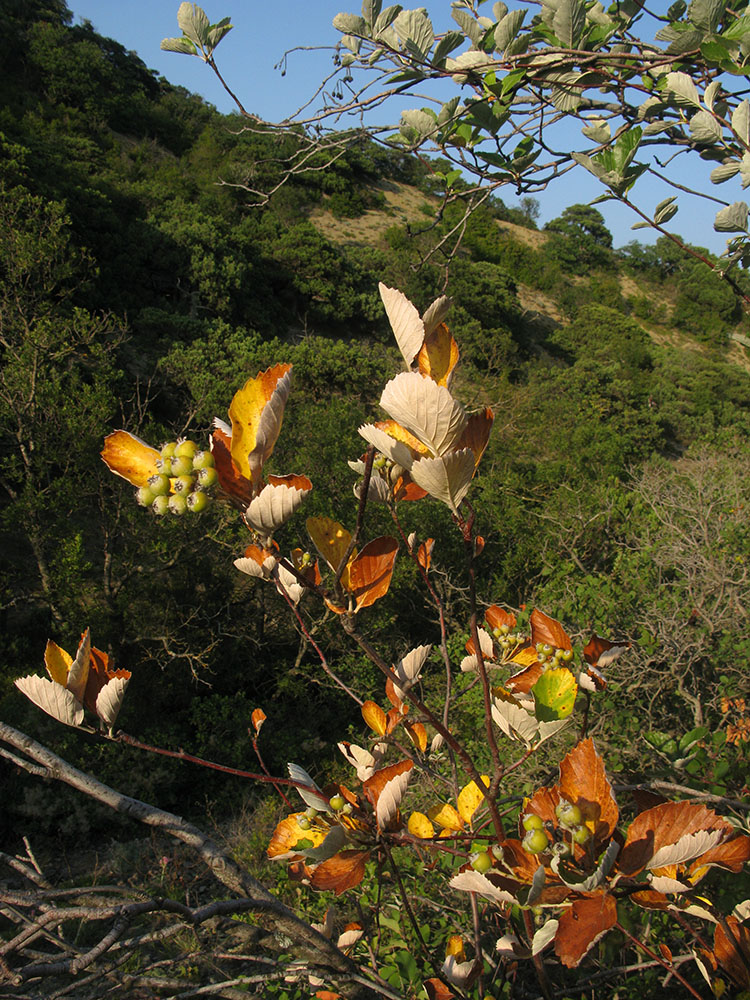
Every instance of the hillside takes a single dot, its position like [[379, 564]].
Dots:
[[137, 292]]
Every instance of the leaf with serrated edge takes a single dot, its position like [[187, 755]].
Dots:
[[386, 445], [514, 720], [385, 789], [469, 880], [407, 326], [341, 872], [549, 630], [582, 925], [439, 355], [109, 700], [273, 507], [583, 782], [683, 88], [446, 478], [665, 826], [409, 668], [470, 798], [426, 409], [52, 699], [360, 759]]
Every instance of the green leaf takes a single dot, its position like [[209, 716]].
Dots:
[[666, 210], [568, 22], [507, 29], [217, 32], [469, 25], [683, 88], [350, 24], [447, 44], [194, 24], [554, 695], [371, 10], [724, 172], [567, 90], [386, 19], [704, 127], [414, 29], [706, 14], [183, 45], [599, 131], [741, 122], [732, 219], [424, 122]]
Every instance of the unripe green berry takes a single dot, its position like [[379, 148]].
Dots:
[[567, 655], [303, 822], [379, 462], [186, 448], [568, 814], [535, 842], [159, 485], [183, 484], [481, 862], [145, 496], [177, 504], [541, 657], [207, 478], [182, 465], [347, 809], [532, 822], [164, 465], [505, 629], [160, 505], [336, 802], [198, 501], [581, 835], [203, 460], [168, 449], [311, 812]]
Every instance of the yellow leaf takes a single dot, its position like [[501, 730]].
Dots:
[[470, 798], [129, 457], [439, 355], [446, 817], [331, 540], [455, 947], [256, 412], [375, 717], [420, 826], [57, 662]]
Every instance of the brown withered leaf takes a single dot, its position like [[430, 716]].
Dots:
[[582, 925], [549, 630], [732, 855], [734, 955], [424, 553], [583, 782], [671, 833], [370, 573], [341, 872]]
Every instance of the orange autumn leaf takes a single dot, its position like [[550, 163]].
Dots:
[[256, 413], [477, 433], [424, 553], [385, 789], [672, 833], [341, 872], [438, 355], [231, 480], [731, 855], [129, 457], [375, 718], [258, 718], [583, 782], [437, 990], [371, 571], [99, 676], [399, 433], [288, 834], [549, 630], [524, 680], [735, 960], [417, 734], [496, 617], [582, 925]]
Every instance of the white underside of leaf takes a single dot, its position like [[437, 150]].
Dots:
[[662, 883], [397, 451], [471, 881], [273, 507], [222, 425], [261, 571], [514, 721], [426, 409], [390, 798], [79, 668], [269, 424], [692, 845], [360, 759], [447, 478], [544, 936], [52, 698], [332, 844], [436, 313], [408, 328], [457, 973], [308, 796], [508, 946], [109, 700], [287, 583], [409, 668], [377, 490]]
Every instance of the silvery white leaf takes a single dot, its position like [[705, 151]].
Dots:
[[436, 313], [273, 507], [544, 936], [397, 451], [79, 669], [408, 328], [109, 700], [446, 478], [473, 881], [52, 698], [308, 796]]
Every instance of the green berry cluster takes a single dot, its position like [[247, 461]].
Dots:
[[535, 839], [183, 482], [506, 639], [571, 819], [553, 657]]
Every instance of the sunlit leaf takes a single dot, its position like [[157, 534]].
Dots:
[[419, 825], [671, 833], [424, 553], [257, 718], [341, 872], [105, 688], [555, 694], [733, 952], [362, 760], [435, 313], [446, 817], [446, 478], [409, 668], [57, 662], [256, 413], [417, 734], [468, 880], [583, 782], [548, 630], [52, 698], [374, 717], [426, 409], [477, 433], [582, 925], [79, 669], [386, 444], [274, 505], [231, 480], [288, 834], [385, 790], [470, 798], [307, 793], [129, 457], [408, 328], [371, 570], [331, 540], [439, 355]]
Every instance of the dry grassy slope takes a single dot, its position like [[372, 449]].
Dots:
[[408, 205]]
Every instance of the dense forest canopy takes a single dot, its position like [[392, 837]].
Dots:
[[138, 290]]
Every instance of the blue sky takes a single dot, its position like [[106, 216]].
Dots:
[[264, 30]]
